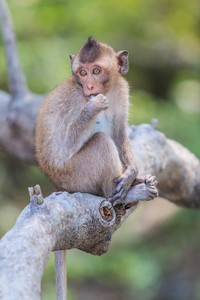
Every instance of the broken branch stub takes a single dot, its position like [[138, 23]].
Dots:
[[36, 195]]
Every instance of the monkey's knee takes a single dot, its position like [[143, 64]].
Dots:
[[94, 167]]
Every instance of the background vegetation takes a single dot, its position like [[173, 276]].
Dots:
[[155, 255]]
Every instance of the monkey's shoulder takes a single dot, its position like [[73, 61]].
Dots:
[[62, 99], [65, 90]]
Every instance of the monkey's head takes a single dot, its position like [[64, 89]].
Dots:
[[96, 67]]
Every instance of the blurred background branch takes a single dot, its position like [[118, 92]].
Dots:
[[17, 85]]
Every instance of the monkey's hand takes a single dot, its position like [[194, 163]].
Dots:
[[124, 183], [98, 103]]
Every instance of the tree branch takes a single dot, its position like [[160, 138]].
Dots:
[[61, 221], [17, 82], [17, 125], [177, 170]]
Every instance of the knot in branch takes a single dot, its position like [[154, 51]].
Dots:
[[107, 213]]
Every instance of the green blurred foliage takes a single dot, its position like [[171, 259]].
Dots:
[[163, 40], [162, 37]]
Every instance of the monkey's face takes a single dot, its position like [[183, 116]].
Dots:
[[93, 78], [96, 67]]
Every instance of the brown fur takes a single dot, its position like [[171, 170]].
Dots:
[[90, 51], [81, 143]]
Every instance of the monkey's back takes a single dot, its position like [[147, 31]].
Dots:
[[55, 115]]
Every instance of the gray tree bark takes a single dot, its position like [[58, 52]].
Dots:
[[60, 221]]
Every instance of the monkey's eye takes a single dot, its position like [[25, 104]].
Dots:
[[83, 72], [96, 71]]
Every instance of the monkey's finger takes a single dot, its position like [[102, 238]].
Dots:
[[151, 180], [114, 193], [114, 197], [117, 202], [138, 180], [151, 193], [120, 195], [119, 198], [117, 180], [154, 192], [117, 189]]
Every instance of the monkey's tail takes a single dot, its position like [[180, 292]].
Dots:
[[61, 275]]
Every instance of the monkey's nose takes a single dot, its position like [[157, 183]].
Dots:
[[90, 87]]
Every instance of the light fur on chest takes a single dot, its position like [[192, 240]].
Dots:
[[103, 123]]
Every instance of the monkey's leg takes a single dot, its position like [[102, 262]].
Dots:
[[94, 168]]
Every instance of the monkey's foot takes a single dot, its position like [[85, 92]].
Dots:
[[144, 189]]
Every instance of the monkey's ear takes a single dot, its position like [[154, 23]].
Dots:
[[122, 57], [72, 57]]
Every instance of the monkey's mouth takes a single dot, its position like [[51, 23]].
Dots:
[[93, 95]]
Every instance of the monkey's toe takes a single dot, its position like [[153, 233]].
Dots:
[[151, 180]]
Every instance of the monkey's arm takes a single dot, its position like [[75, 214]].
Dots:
[[80, 130], [125, 181]]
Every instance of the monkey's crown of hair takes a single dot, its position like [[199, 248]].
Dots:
[[90, 50], [91, 42]]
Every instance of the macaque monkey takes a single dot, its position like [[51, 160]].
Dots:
[[81, 140]]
